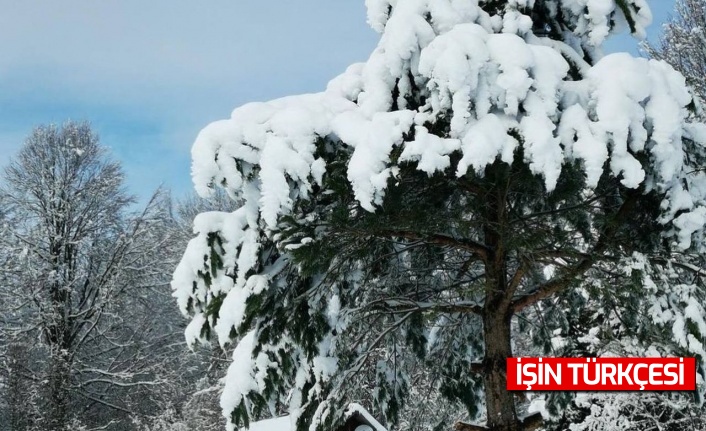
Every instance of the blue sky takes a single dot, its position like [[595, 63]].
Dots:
[[150, 74]]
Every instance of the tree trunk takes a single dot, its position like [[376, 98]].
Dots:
[[20, 389], [500, 403], [497, 313], [59, 379], [59, 334]]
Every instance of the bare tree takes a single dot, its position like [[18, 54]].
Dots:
[[83, 275], [683, 44], [203, 366]]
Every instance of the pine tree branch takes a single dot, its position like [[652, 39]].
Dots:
[[553, 286], [517, 278], [558, 254], [462, 426], [683, 265], [403, 305], [438, 239], [563, 281], [98, 399]]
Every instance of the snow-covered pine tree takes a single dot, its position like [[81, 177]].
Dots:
[[486, 180]]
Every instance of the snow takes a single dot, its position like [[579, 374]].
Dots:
[[373, 141], [276, 136], [689, 223], [595, 23], [430, 152], [483, 141], [192, 333], [539, 405], [378, 13], [452, 63], [283, 423], [673, 304], [357, 408], [240, 379]]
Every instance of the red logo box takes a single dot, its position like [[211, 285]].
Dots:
[[601, 374]]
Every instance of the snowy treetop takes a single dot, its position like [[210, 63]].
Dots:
[[502, 87]]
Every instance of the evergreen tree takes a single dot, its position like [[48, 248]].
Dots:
[[486, 184]]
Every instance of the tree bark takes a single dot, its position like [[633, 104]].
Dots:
[[497, 310], [19, 390], [500, 403], [58, 402]]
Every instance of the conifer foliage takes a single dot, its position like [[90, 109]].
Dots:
[[487, 184]]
